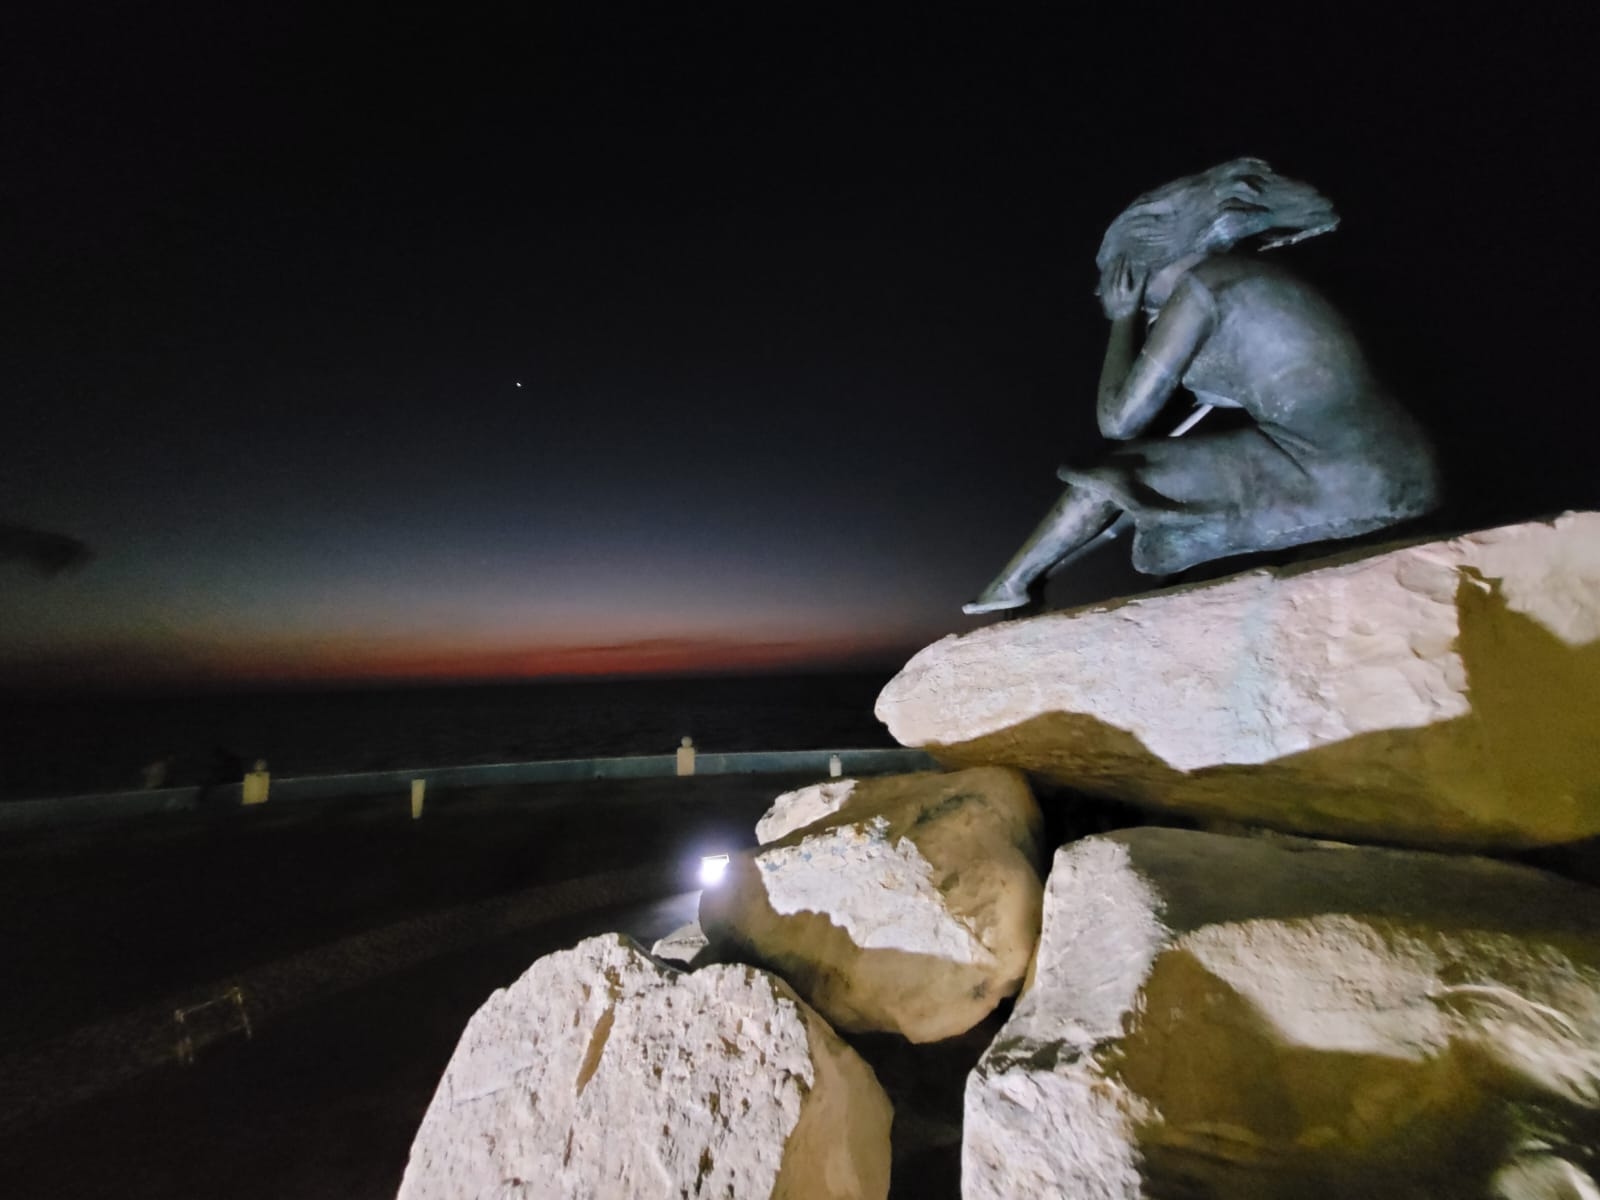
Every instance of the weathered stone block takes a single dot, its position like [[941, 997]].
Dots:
[[1218, 1016], [602, 1073], [913, 908], [1439, 694]]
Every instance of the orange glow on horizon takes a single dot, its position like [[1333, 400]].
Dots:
[[335, 661], [654, 656]]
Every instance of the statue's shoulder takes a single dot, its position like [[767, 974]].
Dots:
[[1223, 270], [1253, 275]]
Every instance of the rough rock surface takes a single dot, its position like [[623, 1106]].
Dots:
[[913, 909], [1439, 694], [1217, 1016], [802, 807], [685, 945], [602, 1073]]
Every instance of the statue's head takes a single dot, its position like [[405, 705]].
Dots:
[[1210, 213]]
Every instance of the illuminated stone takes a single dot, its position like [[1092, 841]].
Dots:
[[913, 908], [802, 807], [602, 1073], [1225, 1016], [1438, 694], [684, 946]]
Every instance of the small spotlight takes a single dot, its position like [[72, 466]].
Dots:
[[712, 868]]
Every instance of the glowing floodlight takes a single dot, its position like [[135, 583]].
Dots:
[[712, 868]]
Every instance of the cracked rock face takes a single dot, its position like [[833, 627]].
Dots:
[[683, 947], [1440, 694], [1217, 1016], [910, 907], [802, 807], [602, 1073]]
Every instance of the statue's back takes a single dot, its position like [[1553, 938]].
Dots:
[[1279, 350]]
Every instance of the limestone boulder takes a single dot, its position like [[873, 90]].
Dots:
[[1218, 1016], [1442, 694], [802, 807], [602, 1073], [913, 908], [685, 946]]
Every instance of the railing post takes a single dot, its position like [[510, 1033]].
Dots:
[[256, 784], [194, 1032]]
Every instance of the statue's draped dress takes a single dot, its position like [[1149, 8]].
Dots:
[[1329, 455]]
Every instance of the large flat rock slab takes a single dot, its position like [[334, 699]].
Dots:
[[908, 904], [602, 1073], [1216, 1016], [1444, 694]]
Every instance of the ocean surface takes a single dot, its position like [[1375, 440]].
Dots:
[[60, 745]]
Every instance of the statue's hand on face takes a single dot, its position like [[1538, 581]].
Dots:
[[1159, 289], [1122, 291]]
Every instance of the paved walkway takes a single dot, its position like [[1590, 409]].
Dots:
[[361, 943], [98, 923], [321, 1103]]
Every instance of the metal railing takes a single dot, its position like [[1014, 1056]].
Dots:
[[101, 806]]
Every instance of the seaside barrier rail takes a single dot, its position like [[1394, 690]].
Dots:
[[43, 813]]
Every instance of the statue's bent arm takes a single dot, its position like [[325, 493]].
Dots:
[[1184, 322], [1121, 348]]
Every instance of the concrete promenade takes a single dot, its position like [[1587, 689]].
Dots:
[[327, 953], [109, 929]]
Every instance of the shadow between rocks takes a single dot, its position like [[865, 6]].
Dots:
[[927, 1085], [1245, 1116]]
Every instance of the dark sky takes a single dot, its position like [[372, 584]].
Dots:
[[502, 342]]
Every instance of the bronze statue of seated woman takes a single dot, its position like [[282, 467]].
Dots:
[[1327, 452]]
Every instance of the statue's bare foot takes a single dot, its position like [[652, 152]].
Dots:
[[997, 598]]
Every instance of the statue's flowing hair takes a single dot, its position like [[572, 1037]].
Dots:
[[1209, 213]]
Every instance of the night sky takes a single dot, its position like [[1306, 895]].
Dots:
[[503, 344]]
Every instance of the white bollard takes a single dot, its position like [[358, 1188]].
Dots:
[[418, 788], [835, 767], [256, 784], [686, 757]]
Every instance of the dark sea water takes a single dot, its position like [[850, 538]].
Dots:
[[59, 745]]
